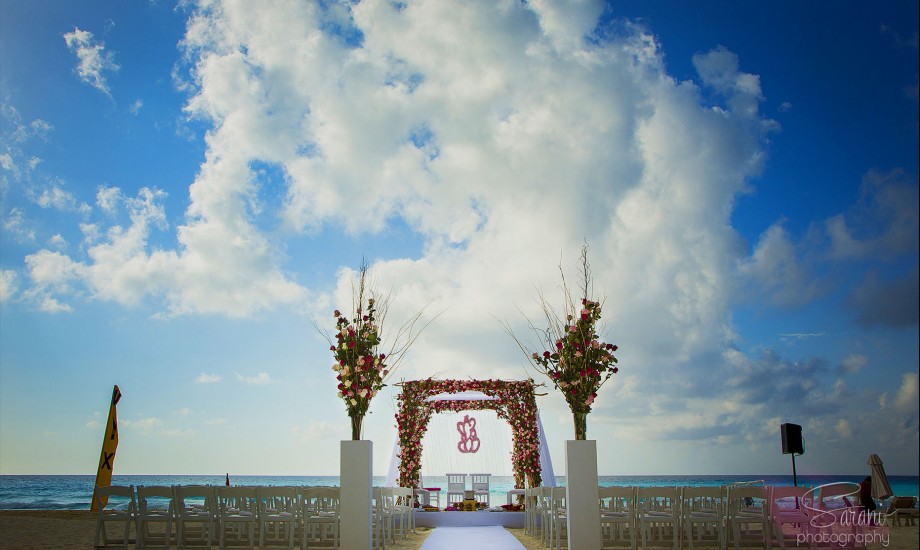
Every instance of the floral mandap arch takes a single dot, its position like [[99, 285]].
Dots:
[[513, 401]]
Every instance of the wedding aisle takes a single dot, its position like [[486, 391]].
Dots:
[[493, 537]]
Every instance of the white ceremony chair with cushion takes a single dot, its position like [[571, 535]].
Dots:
[[195, 507], [790, 506], [658, 516], [321, 520], [116, 505], [480, 484], [238, 512], [746, 507], [279, 512], [618, 515], [155, 511], [702, 510], [456, 485]]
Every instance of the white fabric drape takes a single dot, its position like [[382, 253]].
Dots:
[[546, 463]]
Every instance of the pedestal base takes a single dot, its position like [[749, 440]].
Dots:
[[581, 497], [355, 497]]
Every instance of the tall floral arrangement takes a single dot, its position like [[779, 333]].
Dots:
[[571, 353], [361, 366]]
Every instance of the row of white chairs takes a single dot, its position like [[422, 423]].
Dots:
[[199, 516], [711, 516]]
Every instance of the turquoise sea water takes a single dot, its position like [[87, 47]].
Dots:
[[51, 492]]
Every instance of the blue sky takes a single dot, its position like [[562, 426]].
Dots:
[[186, 188]]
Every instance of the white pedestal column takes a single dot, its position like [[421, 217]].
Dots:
[[581, 498], [355, 497]]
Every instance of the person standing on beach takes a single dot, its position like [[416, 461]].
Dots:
[[865, 494]]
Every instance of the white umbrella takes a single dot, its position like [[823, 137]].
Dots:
[[881, 489]]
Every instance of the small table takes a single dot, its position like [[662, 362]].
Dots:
[[512, 493]]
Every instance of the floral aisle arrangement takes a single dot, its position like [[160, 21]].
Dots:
[[361, 368], [574, 358], [514, 401]]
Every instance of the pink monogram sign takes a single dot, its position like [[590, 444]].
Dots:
[[468, 443]]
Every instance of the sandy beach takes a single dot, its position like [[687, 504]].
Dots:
[[65, 529]]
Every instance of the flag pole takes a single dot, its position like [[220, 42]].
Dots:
[[107, 457]]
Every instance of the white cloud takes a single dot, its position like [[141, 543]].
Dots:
[[109, 199], [136, 106], [260, 379], [58, 198], [854, 363], [318, 430], [57, 241], [884, 221], [907, 396], [15, 134], [843, 429], [143, 425], [93, 59], [502, 165], [17, 226], [8, 284], [218, 270], [205, 378], [777, 269]]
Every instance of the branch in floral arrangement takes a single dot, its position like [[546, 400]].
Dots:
[[361, 369], [572, 356]]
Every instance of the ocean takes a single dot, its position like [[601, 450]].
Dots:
[[74, 492]]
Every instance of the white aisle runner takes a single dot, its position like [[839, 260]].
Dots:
[[492, 537]]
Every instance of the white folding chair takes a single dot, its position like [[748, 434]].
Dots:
[[790, 506], [155, 511], [658, 516], [530, 509], [544, 511], [480, 485], [195, 505], [703, 510], [279, 512], [115, 504], [747, 508], [382, 512], [321, 520], [618, 516], [404, 510], [456, 485], [838, 511], [558, 517], [238, 513]]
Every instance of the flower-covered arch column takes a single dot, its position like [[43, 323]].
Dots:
[[513, 401]]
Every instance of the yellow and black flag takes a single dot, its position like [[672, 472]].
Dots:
[[109, 444]]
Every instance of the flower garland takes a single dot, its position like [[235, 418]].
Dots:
[[515, 402]]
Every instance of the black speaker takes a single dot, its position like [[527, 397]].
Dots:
[[792, 439]]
